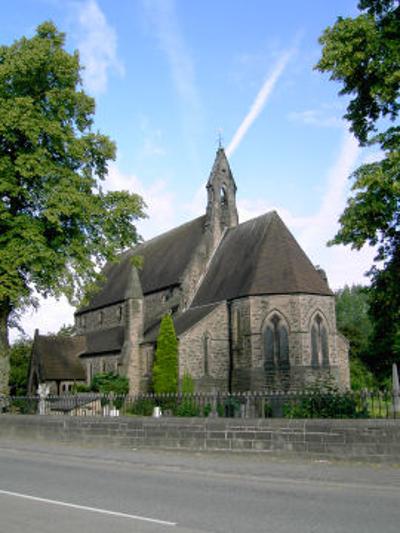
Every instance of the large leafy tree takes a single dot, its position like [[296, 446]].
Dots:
[[165, 368], [57, 225], [363, 54]]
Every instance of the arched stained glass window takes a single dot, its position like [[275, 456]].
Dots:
[[319, 343], [276, 344]]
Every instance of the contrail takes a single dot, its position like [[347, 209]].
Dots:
[[259, 102]]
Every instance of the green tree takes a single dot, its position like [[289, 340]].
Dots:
[[353, 320], [20, 356], [165, 368], [363, 54], [385, 312], [57, 225]]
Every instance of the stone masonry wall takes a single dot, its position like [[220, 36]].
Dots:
[[100, 363], [198, 265], [131, 361], [361, 440], [104, 318], [192, 351], [158, 304], [297, 311]]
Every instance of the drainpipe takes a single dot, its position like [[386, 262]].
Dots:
[[230, 346]]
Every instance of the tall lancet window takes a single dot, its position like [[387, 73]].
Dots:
[[319, 343], [276, 344]]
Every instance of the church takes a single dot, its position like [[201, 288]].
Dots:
[[251, 312]]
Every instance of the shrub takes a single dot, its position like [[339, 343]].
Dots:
[[207, 409], [80, 387], [187, 408], [361, 378], [108, 382], [231, 407], [187, 384], [323, 399], [141, 407], [165, 368], [268, 412], [24, 406]]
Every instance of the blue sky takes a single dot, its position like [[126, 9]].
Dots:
[[169, 75]]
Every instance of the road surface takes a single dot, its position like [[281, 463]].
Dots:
[[53, 488]]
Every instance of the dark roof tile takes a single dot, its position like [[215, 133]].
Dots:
[[182, 322], [59, 357], [165, 259], [260, 256], [101, 341]]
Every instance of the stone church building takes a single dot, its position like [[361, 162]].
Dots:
[[250, 310]]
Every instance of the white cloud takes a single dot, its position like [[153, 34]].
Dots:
[[163, 17], [164, 21], [161, 208], [260, 101], [48, 318], [152, 140], [97, 43], [316, 117], [325, 221]]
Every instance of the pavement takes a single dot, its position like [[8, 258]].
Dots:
[[47, 488]]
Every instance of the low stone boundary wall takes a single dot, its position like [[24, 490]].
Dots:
[[363, 440]]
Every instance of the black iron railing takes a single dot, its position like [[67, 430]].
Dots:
[[350, 404]]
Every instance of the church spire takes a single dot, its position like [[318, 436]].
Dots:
[[221, 193]]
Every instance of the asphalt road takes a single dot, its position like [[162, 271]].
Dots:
[[64, 489]]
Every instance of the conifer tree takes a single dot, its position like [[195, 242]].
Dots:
[[165, 368]]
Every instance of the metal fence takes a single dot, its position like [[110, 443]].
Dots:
[[360, 404]]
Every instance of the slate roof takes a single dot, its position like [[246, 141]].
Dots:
[[260, 256], [182, 322], [58, 357], [165, 259], [108, 340]]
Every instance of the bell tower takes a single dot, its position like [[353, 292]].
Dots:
[[221, 196]]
